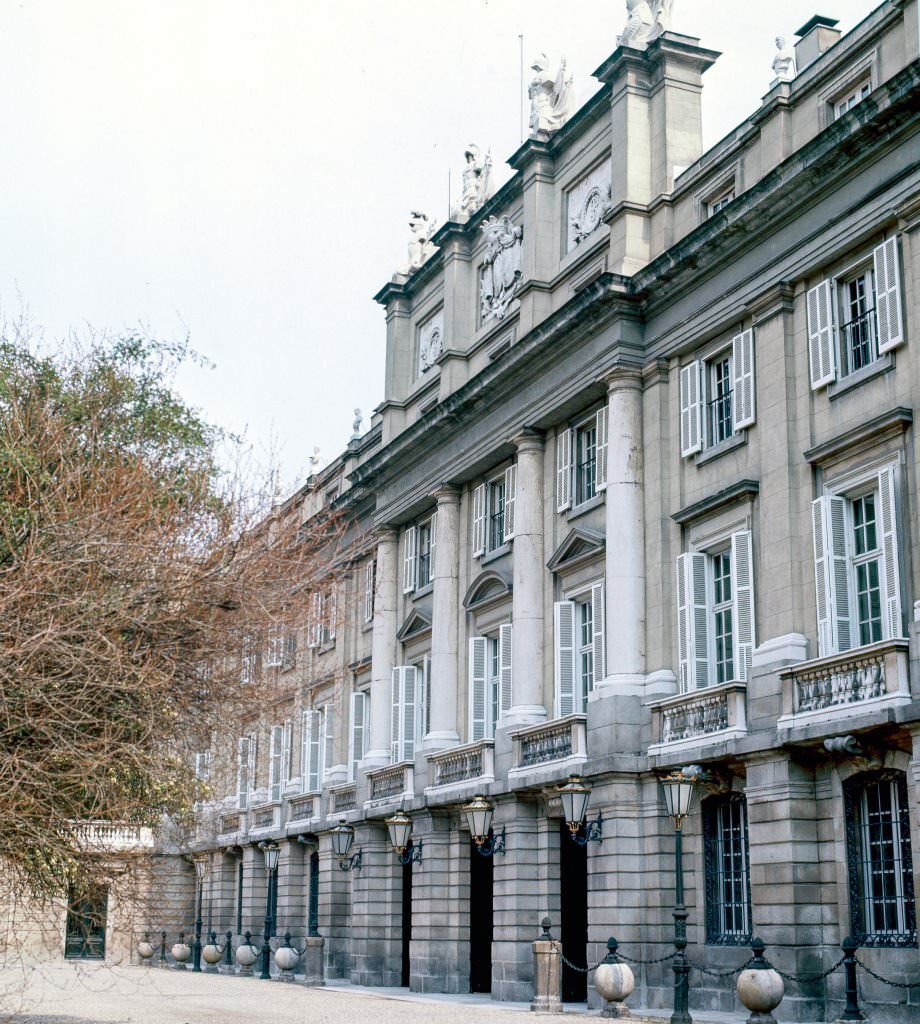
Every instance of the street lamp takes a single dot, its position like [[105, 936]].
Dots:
[[479, 813], [678, 789], [271, 852], [399, 827], [575, 795], [201, 869], [343, 835]]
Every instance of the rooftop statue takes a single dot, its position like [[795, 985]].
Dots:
[[420, 244], [477, 182], [645, 21], [501, 269], [552, 100], [356, 425], [784, 62]]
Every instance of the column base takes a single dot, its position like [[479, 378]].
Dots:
[[624, 684], [440, 741], [374, 759], [523, 714]]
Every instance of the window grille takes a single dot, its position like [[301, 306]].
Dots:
[[728, 887]]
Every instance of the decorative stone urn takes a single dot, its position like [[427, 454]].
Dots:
[[212, 954], [614, 981], [287, 958], [181, 953], [246, 954], [145, 949], [760, 987]]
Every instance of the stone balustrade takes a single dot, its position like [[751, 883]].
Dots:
[[392, 782], [560, 743], [834, 687], [230, 824], [472, 761], [113, 837], [301, 808], [715, 713], [266, 816], [342, 798]]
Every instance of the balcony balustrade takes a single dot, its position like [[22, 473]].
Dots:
[[342, 798], [301, 808], [392, 782], [560, 744], [113, 837], [456, 765], [713, 714]]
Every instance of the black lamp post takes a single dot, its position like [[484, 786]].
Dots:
[[271, 852], [575, 795], [678, 796], [479, 813], [399, 827], [201, 869]]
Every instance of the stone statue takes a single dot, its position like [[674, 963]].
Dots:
[[784, 62], [551, 99], [420, 244], [645, 21], [356, 425], [662, 10], [477, 182], [501, 269], [316, 462]]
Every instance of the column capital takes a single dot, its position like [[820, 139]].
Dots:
[[529, 439], [446, 494], [623, 378], [385, 532]]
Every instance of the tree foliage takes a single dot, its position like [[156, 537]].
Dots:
[[133, 569]]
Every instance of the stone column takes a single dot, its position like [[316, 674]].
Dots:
[[375, 923], [625, 568], [444, 627], [383, 646], [292, 890], [527, 596]]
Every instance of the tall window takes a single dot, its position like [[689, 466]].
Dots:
[[858, 347], [720, 567], [489, 681], [578, 644], [496, 513], [493, 512], [882, 908], [866, 559], [581, 461], [728, 890], [423, 569], [418, 556], [585, 462], [493, 683], [584, 619], [720, 399]]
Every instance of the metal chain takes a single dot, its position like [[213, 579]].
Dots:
[[720, 974], [581, 970], [636, 960], [808, 979], [885, 981]]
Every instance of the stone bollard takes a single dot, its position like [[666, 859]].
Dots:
[[287, 958], [547, 972], [851, 1011], [181, 953], [212, 954], [614, 981], [313, 960], [145, 949], [162, 961], [760, 988], [246, 955]]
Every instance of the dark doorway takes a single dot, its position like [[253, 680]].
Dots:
[[480, 921], [313, 896], [406, 922], [573, 871], [86, 914]]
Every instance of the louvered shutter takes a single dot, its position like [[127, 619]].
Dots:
[[888, 522], [314, 625], [601, 466], [479, 520], [504, 669], [683, 625], [743, 386], [432, 544], [409, 713], [369, 590], [395, 711], [252, 761], [410, 559], [287, 743], [693, 621], [832, 577], [275, 760], [328, 739], [691, 409], [598, 624], [510, 484], [422, 694], [564, 645], [563, 470], [332, 612], [242, 772], [305, 751], [888, 317], [819, 310], [313, 730], [743, 603], [478, 703], [357, 732]]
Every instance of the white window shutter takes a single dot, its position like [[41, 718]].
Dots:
[[479, 520], [888, 317], [274, 763], [819, 311], [422, 684], [598, 624], [328, 739], [743, 601], [504, 669], [409, 713], [564, 646], [432, 545], [563, 470], [478, 702], [369, 591], [305, 751], [357, 732], [685, 671], [744, 392], [510, 484], [888, 519], [832, 583], [693, 621], [410, 559], [287, 743], [395, 712], [691, 409], [313, 722], [242, 772], [314, 624], [601, 465]]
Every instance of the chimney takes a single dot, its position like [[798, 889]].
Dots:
[[814, 37]]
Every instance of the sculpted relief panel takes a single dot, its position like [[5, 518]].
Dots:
[[430, 341], [588, 202], [500, 273]]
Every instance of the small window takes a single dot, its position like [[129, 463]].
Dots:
[[720, 201], [423, 568], [289, 657], [857, 338], [495, 499], [728, 890], [370, 585], [879, 860], [851, 97], [249, 661], [585, 462]]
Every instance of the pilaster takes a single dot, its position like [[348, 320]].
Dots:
[[376, 910], [334, 911], [383, 647], [292, 890], [444, 622]]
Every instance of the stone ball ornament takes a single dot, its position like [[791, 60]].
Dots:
[[246, 953], [145, 949], [212, 953], [760, 987], [181, 951], [614, 981], [286, 958]]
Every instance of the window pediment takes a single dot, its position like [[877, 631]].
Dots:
[[414, 624], [579, 545], [488, 586]]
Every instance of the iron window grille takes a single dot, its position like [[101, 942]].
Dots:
[[423, 570], [879, 860], [728, 884], [857, 333], [721, 425]]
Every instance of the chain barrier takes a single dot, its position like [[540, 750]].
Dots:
[[637, 960], [574, 967], [720, 974], [809, 979], [886, 981]]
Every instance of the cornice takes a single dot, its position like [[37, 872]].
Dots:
[[891, 422], [743, 489]]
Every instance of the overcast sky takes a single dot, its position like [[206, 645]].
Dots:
[[241, 171]]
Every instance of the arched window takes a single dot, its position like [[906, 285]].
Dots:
[[879, 863], [728, 888]]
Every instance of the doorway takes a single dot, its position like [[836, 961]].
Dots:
[[86, 917], [573, 884], [480, 921], [406, 922]]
